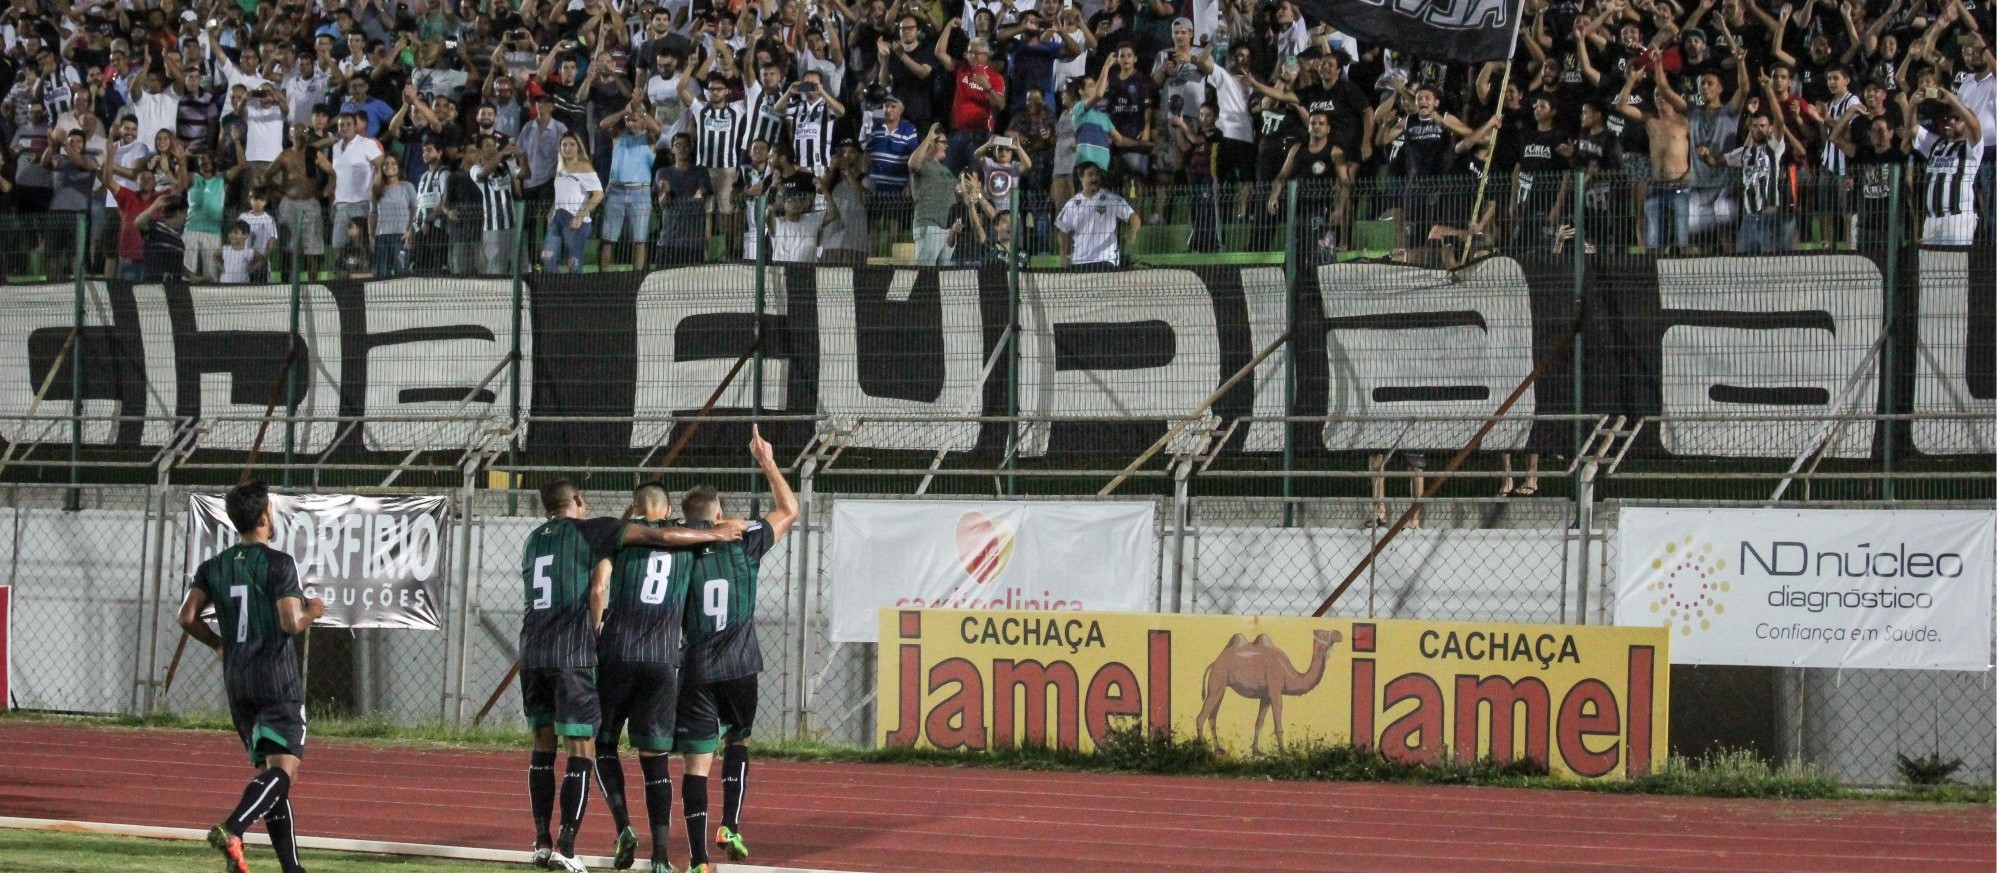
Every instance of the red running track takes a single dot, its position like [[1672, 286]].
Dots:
[[913, 819]]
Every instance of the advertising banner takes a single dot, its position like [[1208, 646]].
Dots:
[[1064, 556], [376, 561], [1902, 589], [1587, 702]]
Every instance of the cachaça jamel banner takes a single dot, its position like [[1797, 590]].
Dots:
[[376, 561], [1587, 702]]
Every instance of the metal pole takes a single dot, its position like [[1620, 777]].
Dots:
[[1585, 512], [454, 708], [806, 493], [74, 499], [1291, 282], [1181, 509], [519, 296], [1887, 371], [1584, 483], [291, 386], [1011, 341], [763, 237]]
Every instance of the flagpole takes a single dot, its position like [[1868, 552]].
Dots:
[[1504, 88]]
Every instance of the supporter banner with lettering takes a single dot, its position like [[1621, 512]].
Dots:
[[1586, 702], [1468, 31], [608, 360], [376, 561], [1904, 589], [1060, 556]]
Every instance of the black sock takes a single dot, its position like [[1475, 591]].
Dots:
[[610, 775], [267, 790], [734, 781], [693, 798], [283, 836], [658, 801], [541, 789], [575, 796]]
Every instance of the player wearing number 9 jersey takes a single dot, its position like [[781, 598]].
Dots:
[[639, 682], [718, 683], [259, 607], [564, 600]]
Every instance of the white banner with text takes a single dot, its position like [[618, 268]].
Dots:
[[988, 554], [376, 561], [1898, 589]]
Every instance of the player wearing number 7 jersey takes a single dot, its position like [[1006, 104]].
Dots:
[[564, 601], [259, 607], [639, 682], [718, 683]]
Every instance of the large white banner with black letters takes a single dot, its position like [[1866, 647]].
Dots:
[[1393, 356], [376, 561], [1100, 556], [1905, 589]]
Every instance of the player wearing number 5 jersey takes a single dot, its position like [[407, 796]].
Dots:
[[639, 682], [259, 607], [718, 683], [564, 601]]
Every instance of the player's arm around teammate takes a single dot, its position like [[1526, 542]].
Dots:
[[260, 607]]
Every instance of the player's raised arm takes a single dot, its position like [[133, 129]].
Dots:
[[190, 618], [682, 537], [784, 514]]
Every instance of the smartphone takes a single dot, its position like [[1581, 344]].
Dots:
[[1933, 94]]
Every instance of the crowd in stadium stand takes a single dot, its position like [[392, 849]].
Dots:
[[370, 137]]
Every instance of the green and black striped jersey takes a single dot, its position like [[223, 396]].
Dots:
[[647, 599], [721, 607], [245, 582], [556, 630]]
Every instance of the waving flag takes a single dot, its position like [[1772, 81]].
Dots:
[[1434, 30]]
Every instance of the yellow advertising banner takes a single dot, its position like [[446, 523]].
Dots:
[[1588, 702]]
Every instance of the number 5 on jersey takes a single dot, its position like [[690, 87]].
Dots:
[[544, 587]]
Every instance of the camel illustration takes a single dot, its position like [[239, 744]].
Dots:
[[1259, 671]]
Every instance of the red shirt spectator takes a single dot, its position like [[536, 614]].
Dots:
[[131, 242], [980, 91]]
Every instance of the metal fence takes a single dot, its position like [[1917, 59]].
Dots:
[[96, 573]]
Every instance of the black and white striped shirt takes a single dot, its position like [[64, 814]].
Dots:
[[1951, 171], [496, 195], [718, 132], [769, 118], [1760, 175], [1833, 160], [811, 135]]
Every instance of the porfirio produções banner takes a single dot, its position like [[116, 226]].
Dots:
[[1903, 589], [378, 562], [1587, 702]]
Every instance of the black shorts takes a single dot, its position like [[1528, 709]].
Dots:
[[560, 697], [646, 696], [706, 708], [1237, 161], [269, 728]]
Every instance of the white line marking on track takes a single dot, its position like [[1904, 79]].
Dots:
[[258, 838]]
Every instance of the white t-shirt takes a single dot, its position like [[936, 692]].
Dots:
[[353, 169], [264, 125], [572, 189], [235, 264], [156, 112], [263, 229], [796, 242], [302, 93], [1232, 100], [1072, 67], [1092, 224]]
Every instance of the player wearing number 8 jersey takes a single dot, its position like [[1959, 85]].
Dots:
[[718, 682], [639, 682], [565, 599], [259, 607]]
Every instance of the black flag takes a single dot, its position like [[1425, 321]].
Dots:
[[1434, 30]]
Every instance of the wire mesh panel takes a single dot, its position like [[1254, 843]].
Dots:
[[78, 607], [1858, 724]]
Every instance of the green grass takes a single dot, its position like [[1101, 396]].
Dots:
[[1723, 774], [49, 852]]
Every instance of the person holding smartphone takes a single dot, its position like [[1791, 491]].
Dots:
[[1953, 152]]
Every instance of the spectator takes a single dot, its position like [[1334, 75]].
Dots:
[[628, 202], [1764, 224], [352, 162], [844, 238], [577, 192], [684, 192], [1089, 223], [130, 248], [163, 255], [494, 169], [540, 144], [906, 63], [1948, 196], [793, 229], [298, 178], [935, 190], [237, 260], [201, 235], [394, 218], [1874, 157], [978, 97]]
